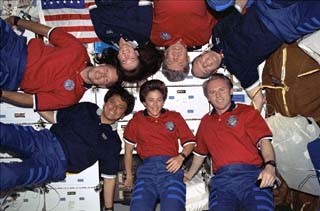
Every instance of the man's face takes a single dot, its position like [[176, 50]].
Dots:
[[104, 75], [127, 56], [206, 64], [113, 110], [176, 56], [219, 95], [154, 103]]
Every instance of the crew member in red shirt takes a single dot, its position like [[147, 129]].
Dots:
[[155, 132], [180, 25], [52, 76], [235, 135]]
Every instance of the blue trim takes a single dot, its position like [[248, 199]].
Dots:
[[31, 174], [263, 207], [173, 196], [137, 197], [177, 189]]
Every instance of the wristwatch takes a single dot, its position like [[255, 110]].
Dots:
[[183, 155], [15, 20], [271, 162]]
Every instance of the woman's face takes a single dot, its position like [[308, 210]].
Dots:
[[127, 55], [154, 103]]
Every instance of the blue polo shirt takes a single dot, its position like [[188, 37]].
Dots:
[[85, 139], [245, 42], [115, 19]]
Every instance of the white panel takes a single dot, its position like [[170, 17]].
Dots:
[[240, 96], [189, 101], [90, 96], [89, 178], [18, 115], [193, 125], [86, 199]]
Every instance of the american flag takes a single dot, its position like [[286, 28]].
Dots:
[[71, 15]]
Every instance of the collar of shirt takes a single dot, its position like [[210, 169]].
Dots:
[[145, 112], [231, 108]]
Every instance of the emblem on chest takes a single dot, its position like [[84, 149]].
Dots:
[[165, 36], [232, 121], [69, 84], [170, 126]]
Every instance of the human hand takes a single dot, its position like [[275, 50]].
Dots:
[[174, 164], [267, 177], [128, 183]]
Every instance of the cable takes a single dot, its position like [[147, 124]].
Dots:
[[58, 202]]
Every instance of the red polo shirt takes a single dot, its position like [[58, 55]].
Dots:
[[53, 71], [158, 136], [232, 137], [188, 20]]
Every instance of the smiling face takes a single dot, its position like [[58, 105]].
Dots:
[[219, 95], [113, 110], [154, 103], [127, 55], [206, 64], [176, 56], [104, 75]]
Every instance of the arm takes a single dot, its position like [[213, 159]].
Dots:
[[48, 115], [268, 174], [196, 164], [128, 165], [175, 163], [30, 25], [258, 99], [109, 185], [17, 98]]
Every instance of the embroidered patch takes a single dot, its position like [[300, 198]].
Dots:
[[109, 31], [232, 121], [170, 126], [165, 36], [69, 84], [104, 136], [217, 40]]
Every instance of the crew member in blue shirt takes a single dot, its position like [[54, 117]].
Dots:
[[81, 135], [242, 42]]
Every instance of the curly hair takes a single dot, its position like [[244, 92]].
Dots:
[[151, 86]]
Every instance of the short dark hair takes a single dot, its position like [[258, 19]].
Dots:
[[192, 69], [150, 60], [213, 77], [125, 96], [151, 86], [174, 75], [108, 56]]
